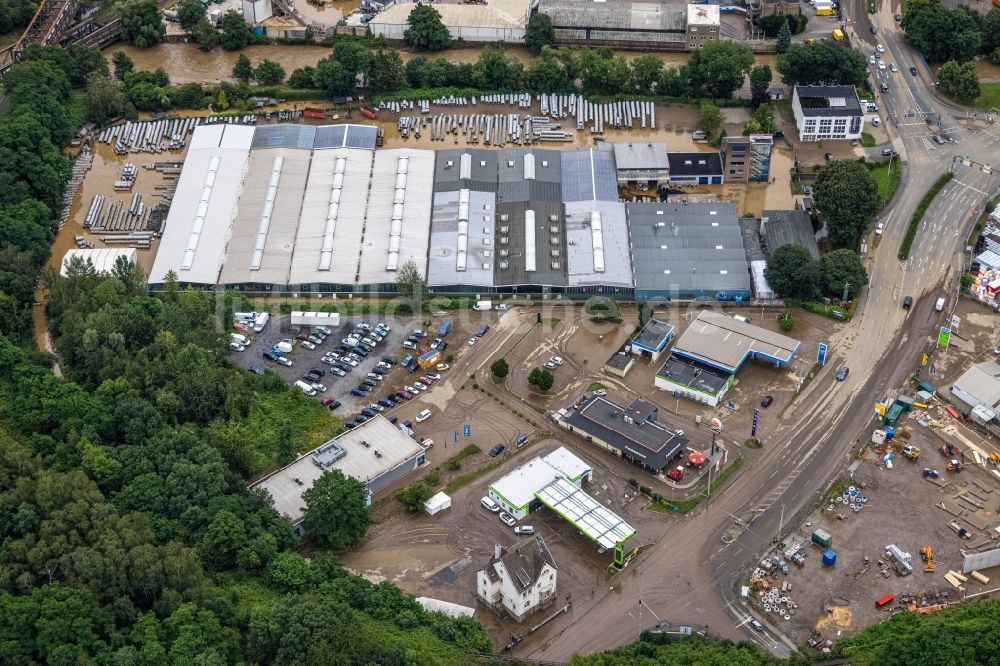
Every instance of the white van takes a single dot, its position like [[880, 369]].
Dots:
[[745, 320], [423, 416], [490, 505], [306, 388], [939, 305], [239, 339]]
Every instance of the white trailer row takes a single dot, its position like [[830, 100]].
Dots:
[[148, 136], [301, 318]]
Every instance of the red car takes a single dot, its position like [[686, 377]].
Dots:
[[407, 395], [425, 379], [328, 401], [676, 474]]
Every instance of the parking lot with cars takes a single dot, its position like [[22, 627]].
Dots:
[[314, 366]]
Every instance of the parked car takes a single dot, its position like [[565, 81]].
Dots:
[[428, 444], [388, 360], [409, 345], [235, 346], [441, 367], [408, 395], [549, 365], [524, 529], [334, 405], [433, 376], [420, 386], [913, 71], [337, 371], [351, 425], [269, 356], [255, 370], [317, 371], [507, 519], [766, 401], [377, 407], [308, 345], [842, 373], [425, 379], [419, 333], [326, 402], [496, 450], [367, 411], [357, 392], [879, 228], [437, 341], [380, 371], [521, 441], [424, 415], [442, 346], [384, 403], [907, 302], [318, 387], [287, 362], [557, 360]]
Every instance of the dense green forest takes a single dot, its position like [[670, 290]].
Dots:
[[128, 534]]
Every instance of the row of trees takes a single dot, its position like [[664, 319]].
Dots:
[[793, 273], [943, 34], [716, 71]]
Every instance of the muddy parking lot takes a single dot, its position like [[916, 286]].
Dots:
[[902, 508], [438, 556], [303, 359]]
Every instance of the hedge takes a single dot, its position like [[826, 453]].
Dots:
[[918, 214]]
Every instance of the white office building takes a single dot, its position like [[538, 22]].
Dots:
[[827, 112]]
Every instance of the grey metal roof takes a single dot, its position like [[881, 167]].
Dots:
[[655, 334], [284, 136], [687, 247], [788, 227], [550, 255], [651, 156], [982, 381], [589, 174], [696, 375], [828, 101], [482, 170], [695, 164], [726, 342], [442, 259], [581, 262], [750, 228], [515, 165], [643, 16]]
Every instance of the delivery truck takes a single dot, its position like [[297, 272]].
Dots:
[[939, 305], [483, 305], [838, 35]]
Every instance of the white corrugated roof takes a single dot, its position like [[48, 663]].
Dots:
[[196, 231], [237, 136], [103, 259], [585, 513], [582, 261], [496, 14], [265, 225], [398, 219], [316, 211]]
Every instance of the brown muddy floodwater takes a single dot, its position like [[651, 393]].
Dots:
[[326, 13], [186, 63]]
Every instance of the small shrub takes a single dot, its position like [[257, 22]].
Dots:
[[453, 465], [432, 478], [632, 482], [786, 322]]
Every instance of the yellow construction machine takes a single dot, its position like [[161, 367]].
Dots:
[[927, 555]]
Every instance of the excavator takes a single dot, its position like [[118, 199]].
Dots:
[[927, 555]]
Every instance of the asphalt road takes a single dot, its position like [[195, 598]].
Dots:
[[693, 573]]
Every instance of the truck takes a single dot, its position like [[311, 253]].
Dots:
[[306, 318], [444, 328], [261, 321], [939, 305], [483, 305], [838, 35], [824, 11]]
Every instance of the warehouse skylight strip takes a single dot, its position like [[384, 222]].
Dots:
[[396, 226], [463, 230], [326, 252], [265, 216], [529, 241], [199, 221], [597, 233]]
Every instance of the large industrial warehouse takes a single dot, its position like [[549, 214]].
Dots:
[[300, 209]]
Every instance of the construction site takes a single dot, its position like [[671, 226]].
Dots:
[[912, 525]]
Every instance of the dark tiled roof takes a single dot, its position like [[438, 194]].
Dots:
[[695, 164], [833, 101]]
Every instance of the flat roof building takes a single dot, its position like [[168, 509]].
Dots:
[[699, 168], [827, 112], [695, 381], [515, 491], [376, 453], [660, 26], [653, 338], [645, 163], [597, 252], [632, 432], [979, 386], [725, 343], [687, 251], [703, 23], [747, 159], [498, 21]]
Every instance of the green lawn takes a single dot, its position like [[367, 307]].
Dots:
[[989, 98], [886, 182], [867, 140]]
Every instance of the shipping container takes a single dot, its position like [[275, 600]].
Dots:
[[884, 600], [310, 112], [822, 538], [829, 558]]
